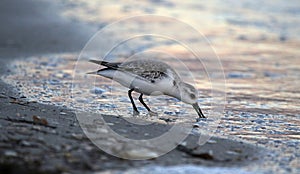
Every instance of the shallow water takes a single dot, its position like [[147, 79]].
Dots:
[[181, 169], [258, 46]]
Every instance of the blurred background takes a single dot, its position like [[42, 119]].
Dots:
[[256, 41]]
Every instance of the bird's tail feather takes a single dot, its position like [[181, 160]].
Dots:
[[99, 62], [104, 63]]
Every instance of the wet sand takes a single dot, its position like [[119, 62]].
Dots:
[[37, 138]]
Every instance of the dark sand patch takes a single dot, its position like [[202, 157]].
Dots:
[[59, 145]]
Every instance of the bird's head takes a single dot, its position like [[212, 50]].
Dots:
[[189, 94]]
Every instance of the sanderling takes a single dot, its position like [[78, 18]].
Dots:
[[149, 77]]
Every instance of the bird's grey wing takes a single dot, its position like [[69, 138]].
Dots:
[[114, 65], [151, 71], [147, 73], [152, 75]]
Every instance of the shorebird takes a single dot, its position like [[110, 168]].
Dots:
[[149, 77]]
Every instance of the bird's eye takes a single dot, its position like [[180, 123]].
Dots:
[[174, 83], [192, 96]]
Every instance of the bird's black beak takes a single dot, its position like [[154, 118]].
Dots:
[[198, 110]]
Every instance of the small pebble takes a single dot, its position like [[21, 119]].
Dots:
[[54, 82], [38, 128], [77, 136], [229, 152], [39, 120], [139, 154], [25, 143], [168, 113], [97, 90], [212, 141], [235, 75], [11, 153]]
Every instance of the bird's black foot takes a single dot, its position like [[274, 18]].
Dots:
[[201, 119], [151, 113], [135, 113]]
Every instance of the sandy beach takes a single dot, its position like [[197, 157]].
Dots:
[[47, 138]]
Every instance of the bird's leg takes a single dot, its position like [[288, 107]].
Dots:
[[151, 113], [135, 111], [142, 101]]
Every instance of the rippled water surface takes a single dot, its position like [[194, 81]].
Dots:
[[257, 43]]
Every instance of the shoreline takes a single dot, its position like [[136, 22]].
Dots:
[[34, 129], [59, 145]]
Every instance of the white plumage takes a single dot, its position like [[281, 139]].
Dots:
[[149, 77]]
